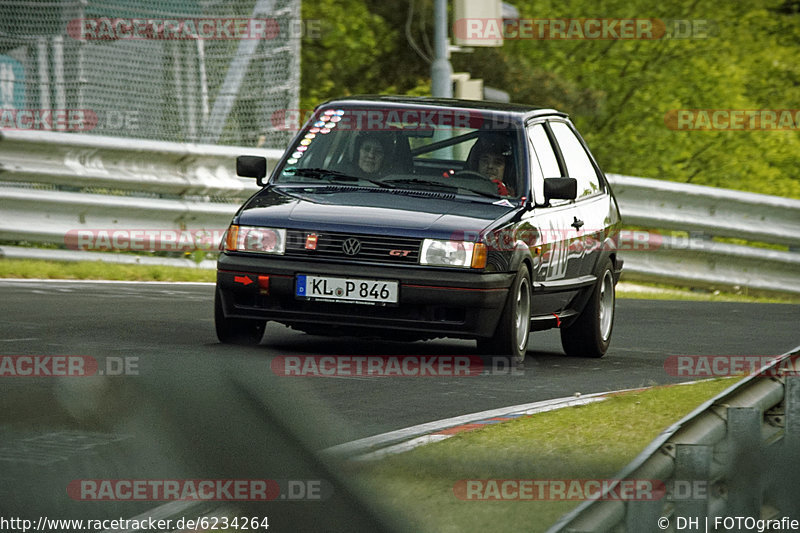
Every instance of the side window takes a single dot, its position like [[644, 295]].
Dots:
[[548, 163], [579, 166]]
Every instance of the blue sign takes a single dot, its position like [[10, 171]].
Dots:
[[12, 83]]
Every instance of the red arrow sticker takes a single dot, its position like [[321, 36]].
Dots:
[[244, 280]]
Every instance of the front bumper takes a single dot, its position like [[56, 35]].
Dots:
[[432, 302]]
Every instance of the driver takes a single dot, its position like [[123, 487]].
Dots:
[[491, 156], [371, 154]]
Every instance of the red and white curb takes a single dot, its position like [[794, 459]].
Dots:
[[403, 440]]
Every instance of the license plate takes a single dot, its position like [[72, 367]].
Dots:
[[368, 291]]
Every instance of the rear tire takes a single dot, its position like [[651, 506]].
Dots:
[[243, 331], [590, 334], [513, 331]]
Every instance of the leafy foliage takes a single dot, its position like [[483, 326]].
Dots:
[[345, 58], [619, 92]]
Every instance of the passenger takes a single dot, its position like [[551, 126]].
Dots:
[[492, 156]]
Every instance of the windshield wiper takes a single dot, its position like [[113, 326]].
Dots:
[[333, 175], [481, 193], [418, 181]]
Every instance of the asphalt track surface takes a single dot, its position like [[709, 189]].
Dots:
[[173, 324], [192, 408]]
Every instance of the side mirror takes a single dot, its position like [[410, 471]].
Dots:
[[560, 189], [252, 166]]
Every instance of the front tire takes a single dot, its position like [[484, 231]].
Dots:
[[243, 331], [590, 334], [513, 331]]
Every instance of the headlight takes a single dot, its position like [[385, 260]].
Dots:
[[460, 254], [255, 239]]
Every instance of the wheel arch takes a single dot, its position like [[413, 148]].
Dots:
[[521, 257], [582, 298]]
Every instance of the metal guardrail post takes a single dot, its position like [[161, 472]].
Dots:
[[788, 461], [692, 465], [791, 433], [745, 458], [644, 516]]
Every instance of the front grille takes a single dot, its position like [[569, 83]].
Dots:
[[371, 248]]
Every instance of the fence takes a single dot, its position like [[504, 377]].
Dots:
[[172, 70], [734, 456], [54, 183]]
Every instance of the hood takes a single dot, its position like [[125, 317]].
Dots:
[[369, 210]]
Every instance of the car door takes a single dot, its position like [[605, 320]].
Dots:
[[592, 205], [559, 249]]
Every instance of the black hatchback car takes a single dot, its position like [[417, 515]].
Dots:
[[416, 218]]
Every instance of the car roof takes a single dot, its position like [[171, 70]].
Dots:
[[519, 111]]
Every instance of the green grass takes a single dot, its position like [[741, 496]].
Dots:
[[655, 291], [594, 441], [27, 268]]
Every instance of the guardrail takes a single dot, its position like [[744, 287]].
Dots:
[[737, 455], [710, 210], [118, 164], [696, 259], [54, 183]]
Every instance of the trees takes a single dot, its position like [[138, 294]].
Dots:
[[617, 91]]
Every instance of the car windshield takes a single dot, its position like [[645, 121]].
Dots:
[[442, 150]]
